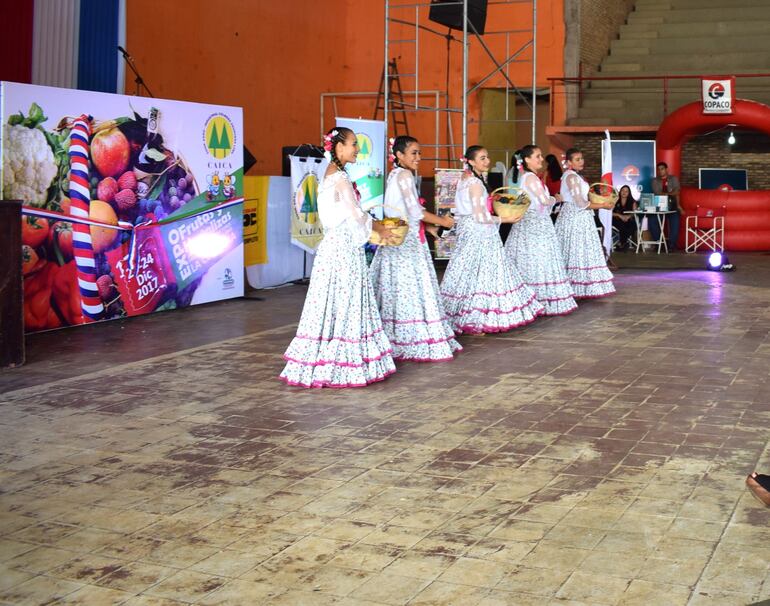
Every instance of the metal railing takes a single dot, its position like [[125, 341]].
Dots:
[[567, 86]]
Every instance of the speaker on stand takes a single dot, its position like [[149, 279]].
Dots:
[[450, 14]]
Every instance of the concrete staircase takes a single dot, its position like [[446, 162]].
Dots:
[[678, 37]]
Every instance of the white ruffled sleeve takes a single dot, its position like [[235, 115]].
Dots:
[[349, 210], [408, 190], [478, 195], [576, 190], [536, 191]]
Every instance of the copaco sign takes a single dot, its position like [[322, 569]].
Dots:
[[718, 95]]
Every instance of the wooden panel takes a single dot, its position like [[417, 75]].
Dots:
[[11, 294]]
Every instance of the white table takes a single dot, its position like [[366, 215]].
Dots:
[[660, 215]]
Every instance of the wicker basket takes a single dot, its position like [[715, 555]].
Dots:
[[607, 199], [399, 227], [510, 201]]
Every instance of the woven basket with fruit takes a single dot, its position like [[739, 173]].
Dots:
[[510, 201], [399, 227], [603, 194]]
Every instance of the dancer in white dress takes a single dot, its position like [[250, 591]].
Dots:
[[580, 245], [481, 292], [403, 277], [532, 245], [340, 341]]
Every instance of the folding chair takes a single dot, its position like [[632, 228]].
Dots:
[[616, 238], [705, 228]]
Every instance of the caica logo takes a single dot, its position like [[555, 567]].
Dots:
[[630, 173], [716, 90]]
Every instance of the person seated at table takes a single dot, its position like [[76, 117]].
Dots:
[[667, 184], [624, 223]]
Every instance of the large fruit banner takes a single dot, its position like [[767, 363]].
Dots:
[[131, 205]]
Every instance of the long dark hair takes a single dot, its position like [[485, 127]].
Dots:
[[522, 154], [470, 154], [400, 144], [553, 168], [342, 133], [630, 200]]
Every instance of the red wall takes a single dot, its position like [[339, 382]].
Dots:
[[16, 40]]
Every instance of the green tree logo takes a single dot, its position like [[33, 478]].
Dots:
[[219, 136], [364, 146], [306, 199]]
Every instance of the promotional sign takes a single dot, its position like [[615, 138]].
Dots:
[[131, 204], [446, 180], [633, 164], [306, 175], [726, 179], [718, 95], [255, 220], [368, 171]]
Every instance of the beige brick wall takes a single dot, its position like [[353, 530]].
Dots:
[[600, 22]]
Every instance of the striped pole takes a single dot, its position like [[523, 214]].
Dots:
[[80, 197]]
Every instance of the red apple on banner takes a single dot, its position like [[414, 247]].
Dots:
[[110, 152]]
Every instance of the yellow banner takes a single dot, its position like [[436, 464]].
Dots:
[[255, 220]]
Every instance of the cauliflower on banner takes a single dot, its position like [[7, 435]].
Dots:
[[35, 163], [28, 165]]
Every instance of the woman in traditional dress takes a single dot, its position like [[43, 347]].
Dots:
[[481, 292], [340, 341], [580, 245], [403, 276], [532, 246]]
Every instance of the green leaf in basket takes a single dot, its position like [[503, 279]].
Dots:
[[157, 188], [154, 154]]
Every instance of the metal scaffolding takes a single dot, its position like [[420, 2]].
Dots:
[[414, 14]]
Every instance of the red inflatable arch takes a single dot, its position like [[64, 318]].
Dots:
[[747, 222]]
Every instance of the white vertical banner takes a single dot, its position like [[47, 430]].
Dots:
[[605, 215], [306, 176], [285, 262], [368, 171]]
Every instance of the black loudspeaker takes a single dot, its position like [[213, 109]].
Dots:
[[450, 13], [303, 151]]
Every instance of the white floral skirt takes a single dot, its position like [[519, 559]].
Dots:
[[340, 340], [407, 293], [583, 255], [533, 248], [481, 293]]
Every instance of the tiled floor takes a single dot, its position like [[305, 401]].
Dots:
[[597, 458]]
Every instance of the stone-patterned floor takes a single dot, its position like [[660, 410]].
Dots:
[[597, 458]]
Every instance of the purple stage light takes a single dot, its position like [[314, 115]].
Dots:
[[715, 260]]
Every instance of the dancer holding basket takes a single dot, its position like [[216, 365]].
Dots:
[[580, 244], [403, 276], [340, 341], [532, 245], [481, 292]]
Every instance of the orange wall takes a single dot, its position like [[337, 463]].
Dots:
[[275, 58]]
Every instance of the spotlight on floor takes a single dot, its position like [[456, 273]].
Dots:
[[719, 262]]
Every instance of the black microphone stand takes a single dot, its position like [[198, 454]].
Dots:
[[138, 77]]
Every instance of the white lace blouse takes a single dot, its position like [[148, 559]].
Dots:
[[471, 200], [574, 189], [338, 207], [401, 197], [542, 201]]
